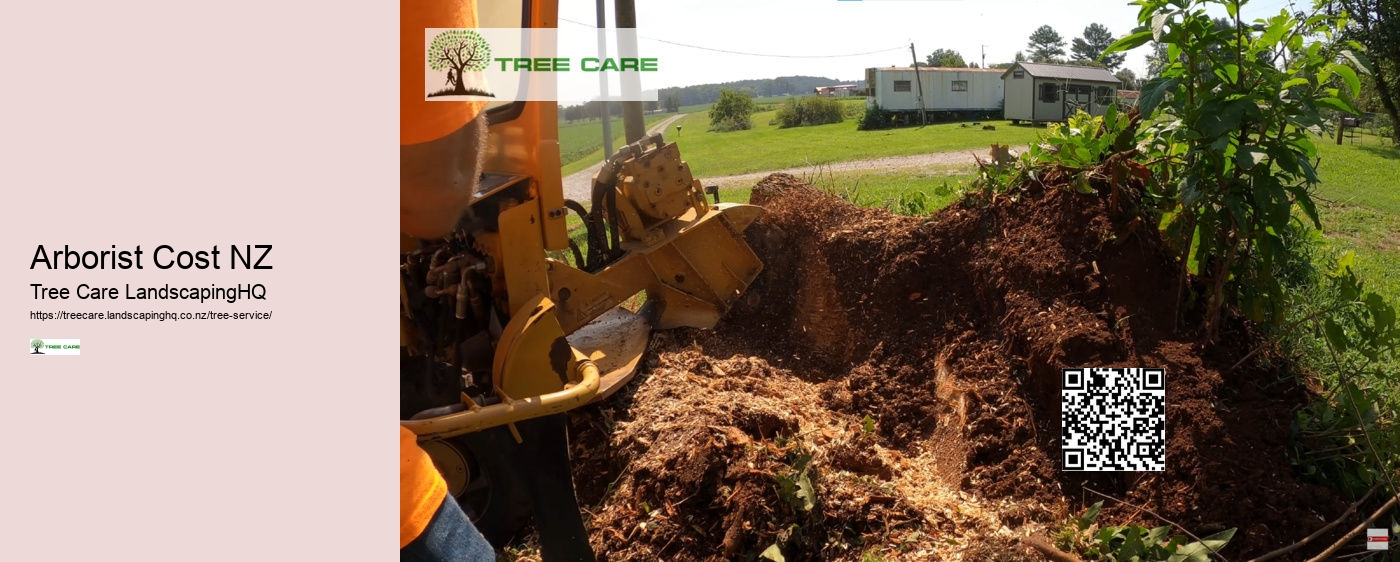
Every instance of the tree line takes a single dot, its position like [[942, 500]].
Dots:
[[672, 99]]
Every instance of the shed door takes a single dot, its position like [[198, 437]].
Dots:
[[1078, 96]]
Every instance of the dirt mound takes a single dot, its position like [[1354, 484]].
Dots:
[[891, 385]]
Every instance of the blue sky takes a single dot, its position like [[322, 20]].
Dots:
[[842, 27]]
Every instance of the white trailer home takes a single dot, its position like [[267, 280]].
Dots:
[[947, 92], [1051, 92]]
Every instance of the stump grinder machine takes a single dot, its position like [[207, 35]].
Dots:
[[507, 322]]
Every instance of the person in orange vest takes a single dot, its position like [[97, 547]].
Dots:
[[441, 148]]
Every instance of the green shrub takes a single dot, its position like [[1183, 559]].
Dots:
[[732, 112], [1133, 542], [1231, 136], [816, 110], [875, 118]]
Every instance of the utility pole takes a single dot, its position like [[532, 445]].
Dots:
[[603, 82], [625, 12], [923, 112], [984, 56]]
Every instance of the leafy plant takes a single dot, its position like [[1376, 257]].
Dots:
[[816, 110], [1134, 542], [1233, 109], [913, 203], [1003, 173], [1083, 140], [795, 486], [732, 112], [875, 118], [1350, 437]]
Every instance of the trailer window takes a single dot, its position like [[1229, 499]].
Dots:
[[960, 85], [1018, 74], [1050, 92], [1081, 90], [902, 86]]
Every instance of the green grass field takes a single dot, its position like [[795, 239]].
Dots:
[[582, 140], [919, 192], [1359, 204], [766, 147]]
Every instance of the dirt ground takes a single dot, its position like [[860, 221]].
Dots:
[[889, 389]]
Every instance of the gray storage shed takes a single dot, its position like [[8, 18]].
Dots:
[[1051, 92]]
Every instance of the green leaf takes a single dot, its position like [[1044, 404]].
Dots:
[[1153, 92], [1349, 76], [1360, 63], [1278, 26], [1128, 42], [1335, 335], [1301, 197], [1293, 82], [1157, 535], [772, 554], [1200, 551], [1230, 73], [1380, 310], [1338, 104], [1105, 536], [1344, 262], [805, 492], [1248, 156], [1089, 516]]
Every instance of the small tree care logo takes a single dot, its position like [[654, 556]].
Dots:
[[50, 346], [457, 57]]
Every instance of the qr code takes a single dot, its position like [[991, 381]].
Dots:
[[1114, 419]]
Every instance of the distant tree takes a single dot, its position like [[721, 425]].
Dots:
[[1046, 45], [1096, 39], [1128, 79], [1020, 57], [1001, 65], [1156, 59], [673, 102], [731, 112], [1375, 24], [946, 58], [575, 113]]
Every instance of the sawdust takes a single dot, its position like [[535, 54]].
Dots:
[[906, 371]]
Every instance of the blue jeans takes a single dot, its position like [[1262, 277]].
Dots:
[[450, 536]]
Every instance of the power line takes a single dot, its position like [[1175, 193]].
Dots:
[[703, 48]]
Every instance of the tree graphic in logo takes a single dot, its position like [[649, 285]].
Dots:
[[459, 51], [36, 344]]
